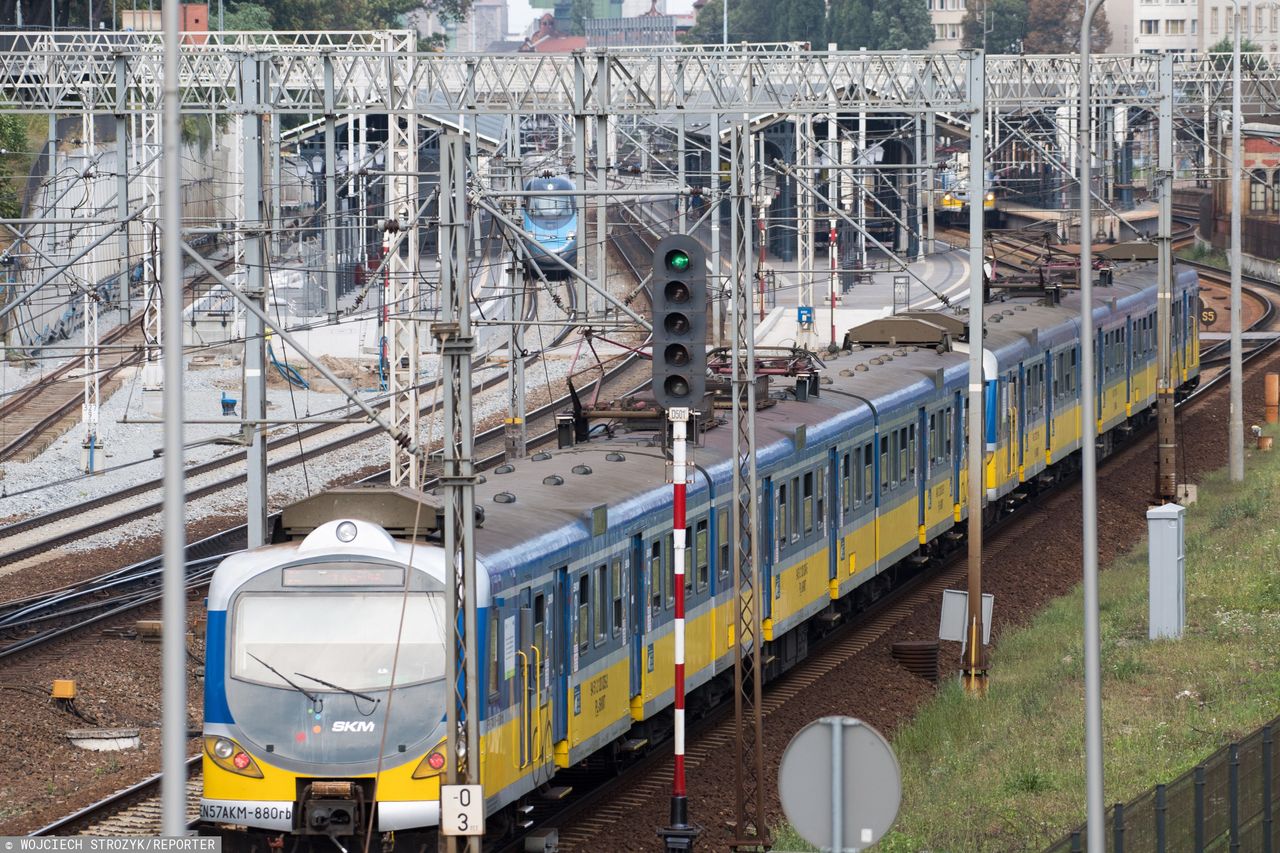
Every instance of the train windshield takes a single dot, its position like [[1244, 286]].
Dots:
[[550, 207], [348, 640]]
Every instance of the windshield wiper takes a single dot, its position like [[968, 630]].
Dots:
[[284, 678], [347, 690]]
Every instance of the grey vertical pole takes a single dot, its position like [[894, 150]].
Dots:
[[1233, 793], [602, 164], [275, 185], [331, 194], [975, 667], [837, 784], [861, 186], [682, 153], [1089, 463], [720, 282], [1117, 828], [255, 342], [580, 174], [122, 182], [1199, 782], [1235, 425], [917, 188], [173, 782], [1268, 748], [53, 182], [1166, 475], [458, 477], [1162, 812], [930, 145]]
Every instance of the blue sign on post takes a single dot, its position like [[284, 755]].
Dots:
[[804, 315]]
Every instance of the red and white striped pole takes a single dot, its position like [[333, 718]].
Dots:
[[680, 834]]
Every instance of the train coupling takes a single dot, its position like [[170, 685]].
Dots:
[[332, 808]]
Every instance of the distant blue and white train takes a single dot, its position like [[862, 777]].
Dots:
[[553, 222]]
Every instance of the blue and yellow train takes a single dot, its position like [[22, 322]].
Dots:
[[324, 704]]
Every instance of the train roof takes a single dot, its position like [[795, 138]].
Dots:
[[555, 494]]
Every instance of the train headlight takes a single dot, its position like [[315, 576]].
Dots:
[[571, 236], [346, 531], [432, 764], [230, 756], [991, 196]]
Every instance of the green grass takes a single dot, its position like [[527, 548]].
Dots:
[[1205, 255], [1007, 773]]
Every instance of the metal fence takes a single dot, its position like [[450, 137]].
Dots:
[[1228, 803]]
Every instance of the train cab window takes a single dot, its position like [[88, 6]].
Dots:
[[783, 516], [495, 645], [540, 633], [822, 498], [584, 612], [655, 576], [601, 603], [884, 463], [669, 556], [616, 586], [845, 483], [883, 468], [808, 503], [796, 504], [702, 553], [903, 461], [688, 566], [911, 453], [726, 547]]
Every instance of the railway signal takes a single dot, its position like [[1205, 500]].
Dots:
[[679, 286]]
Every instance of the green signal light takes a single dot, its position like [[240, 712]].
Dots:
[[678, 260]]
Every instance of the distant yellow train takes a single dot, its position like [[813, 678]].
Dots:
[[953, 207]]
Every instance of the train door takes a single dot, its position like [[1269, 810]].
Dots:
[[767, 542], [1047, 391], [1128, 361], [959, 443], [1018, 399], [922, 451], [532, 621], [559, 637], [639, 613], [835, 517]]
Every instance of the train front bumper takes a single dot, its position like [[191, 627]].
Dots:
[[279, 816]]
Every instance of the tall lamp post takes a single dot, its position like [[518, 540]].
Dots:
[[1235, 422], [1096, 811]]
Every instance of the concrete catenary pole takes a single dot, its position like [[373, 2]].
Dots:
[[173, 731], [1089, 465], [975, 666], [1166, 476], [1235, 440]]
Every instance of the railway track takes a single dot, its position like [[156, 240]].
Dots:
[[33, 412]]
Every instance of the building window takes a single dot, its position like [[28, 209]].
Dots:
[[1195, 26], [1275, 191], [1150, 28], [1213, 20], [1258, 191], [1175, 28], [1259, 19]]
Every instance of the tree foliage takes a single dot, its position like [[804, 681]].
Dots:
[[1251, 58], [1053, 26], [1007, 20], [244, 16], [873, 24]]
